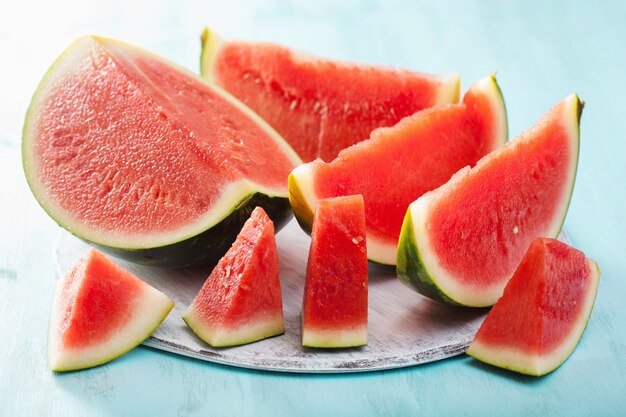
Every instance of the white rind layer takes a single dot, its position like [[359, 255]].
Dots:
[[420, 211], [508, 357], [150, 310], [449, 91], [232, 195], [329, 338], [219, 336]]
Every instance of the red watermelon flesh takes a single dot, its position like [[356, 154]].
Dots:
[[334, 311], [128, 150], [399, 164], [241, 301], [543, 312], [319, 106], [462, 242], [101, 311]]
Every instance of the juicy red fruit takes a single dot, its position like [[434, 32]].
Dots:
[[334, 312]]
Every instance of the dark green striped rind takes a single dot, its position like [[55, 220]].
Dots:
[[208, 246], [411, 269]]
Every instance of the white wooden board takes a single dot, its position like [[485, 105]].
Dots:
[[404, 328]]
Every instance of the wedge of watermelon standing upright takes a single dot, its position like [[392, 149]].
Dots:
[[241, 301], [462, 242], [538, 321], [334, 310]]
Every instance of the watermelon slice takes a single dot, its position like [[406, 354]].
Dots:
[[334, 311], [543, 312], [462, 242], [145, 159], [100, 311], [398, 164], [241, 301], [319, 106]]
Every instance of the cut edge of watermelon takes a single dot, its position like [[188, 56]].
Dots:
[[153, 309], [302, 195], [450, 90], [496, 99], [424, 272], [239, 335], [232, 197], [211, 42], [537, 365], [332, 339]]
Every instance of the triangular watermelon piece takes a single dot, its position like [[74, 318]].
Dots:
[[319, 106], [334, 311], [543, 312], [101, 311], [241, 300], [398, 164], [461, 242]]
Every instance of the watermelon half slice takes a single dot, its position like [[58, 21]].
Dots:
[[334, 311], [462, 242], [241, 301], [146, 160], [543, 312], [100, 311], [319, 106], [399, 164]]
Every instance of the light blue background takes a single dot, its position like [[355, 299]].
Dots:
[[541, 52]]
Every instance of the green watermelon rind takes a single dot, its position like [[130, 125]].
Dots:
[[303, 198], [412, 265], [207, 242], [533, 365], [68, 365]]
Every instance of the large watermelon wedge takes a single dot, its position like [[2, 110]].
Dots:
[[461, 242], [146, 160], [544, 310], [100, 311], [241, 301], [319, 106], [400, 163]]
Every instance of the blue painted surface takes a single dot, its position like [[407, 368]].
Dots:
[[541, 51]]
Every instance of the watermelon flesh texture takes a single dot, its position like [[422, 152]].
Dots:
[[142, 154], [101, 311], [319, 106], [334, 310], [462, 242], [399, 164], [544, 310], [241, 300]]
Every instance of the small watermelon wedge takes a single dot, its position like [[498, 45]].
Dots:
[[145, 159], [538, 321], [241, 300], [319, 106], [400, 163], [334, 310], [462, 242], [100, 311]]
